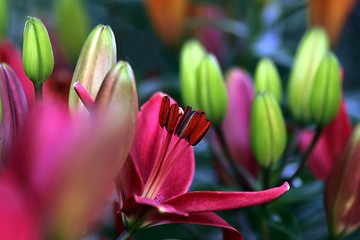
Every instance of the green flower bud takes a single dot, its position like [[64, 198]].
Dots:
[[4, 17], [267, 78], [72, 26], [313, 47], [191, 55], [97, 57], [38, 58], [211, 93], [326, 92], [267, 129]]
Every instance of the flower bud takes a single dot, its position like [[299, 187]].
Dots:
[[4, 16], [117, 101], [267, 129], [267, 79], [342, 190], [212, 95], [326, 92], [97, 56], [313, 47], [13, 108], [191, 55], [38, 58], [72, 26]]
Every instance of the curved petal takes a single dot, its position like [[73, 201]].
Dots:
[[236, 124], [203, 201], [146, 147], [205, 218], [129, 180]]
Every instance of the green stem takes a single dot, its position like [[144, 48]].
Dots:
[[264, 229], [307, 154], [266, 172], [38, 91], [241, 173]]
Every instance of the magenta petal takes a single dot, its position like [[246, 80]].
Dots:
[[146, 147], [14, 108], [320, 160], [17, 216], [205, 218], [204, 201], [137, 206], [236, 124], [129, 181]]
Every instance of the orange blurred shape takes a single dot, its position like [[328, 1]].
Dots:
[[168, 18], [330, 14]]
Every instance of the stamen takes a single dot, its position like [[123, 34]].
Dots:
[[200, 131], [172, 118], [187, 125], [164, 110]]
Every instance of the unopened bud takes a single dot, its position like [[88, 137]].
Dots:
[[191, 55], [72, 26], [342, 199], [313, 47], [97, 57], [267, 129], [326, 92], [38, 58], [212, 94], [267, 79]]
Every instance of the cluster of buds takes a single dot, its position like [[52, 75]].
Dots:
[[202, 82]]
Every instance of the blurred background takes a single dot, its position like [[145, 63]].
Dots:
[[150, 33]]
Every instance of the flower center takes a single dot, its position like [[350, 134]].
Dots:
[[186, 128]]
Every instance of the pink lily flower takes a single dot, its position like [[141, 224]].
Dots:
[[329, 145], [66, 166], [154, 182], [236, 124]]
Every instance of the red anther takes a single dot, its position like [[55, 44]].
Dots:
[[164, 110], [199, 132], [172, 118], [192, 123], [183, 121]]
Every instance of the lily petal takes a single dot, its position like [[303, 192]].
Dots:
[[206, 201], [205, 218], [137, 206], [17, 219], [146, 147], [68, 165]]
